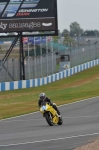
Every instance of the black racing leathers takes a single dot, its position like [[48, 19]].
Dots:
[[48, 101]]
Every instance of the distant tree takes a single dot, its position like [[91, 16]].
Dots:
[[68, 40], [55, 38], [89, 33], [96, 33], [75, 29], [65, 31]]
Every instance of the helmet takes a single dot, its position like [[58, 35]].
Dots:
[[42, 96]]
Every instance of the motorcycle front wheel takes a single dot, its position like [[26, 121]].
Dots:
[[49, 119]]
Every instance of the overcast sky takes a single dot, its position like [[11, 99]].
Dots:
[[84, 12]]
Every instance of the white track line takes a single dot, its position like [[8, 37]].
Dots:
[[58, 106], [78, 101], [49, 140]]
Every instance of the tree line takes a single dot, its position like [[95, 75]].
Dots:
[[75, 31]]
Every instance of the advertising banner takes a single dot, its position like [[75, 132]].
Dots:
[[36, 40], [28, 15]]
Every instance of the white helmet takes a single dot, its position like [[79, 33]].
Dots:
[[42, 96]]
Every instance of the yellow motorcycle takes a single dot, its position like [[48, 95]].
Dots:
[[50, 114]]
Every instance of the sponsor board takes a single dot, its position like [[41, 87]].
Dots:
[[28, 15], [27, 25]]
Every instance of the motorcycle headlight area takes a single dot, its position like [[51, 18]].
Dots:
[[44, 108]]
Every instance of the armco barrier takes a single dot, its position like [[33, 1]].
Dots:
[[4, 86]]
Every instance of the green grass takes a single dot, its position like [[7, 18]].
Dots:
[[77, 87]]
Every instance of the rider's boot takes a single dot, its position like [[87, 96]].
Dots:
[[55, 107]]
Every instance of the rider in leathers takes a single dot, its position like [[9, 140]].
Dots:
[[44, 98]]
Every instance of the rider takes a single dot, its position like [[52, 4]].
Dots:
[[44, 98]]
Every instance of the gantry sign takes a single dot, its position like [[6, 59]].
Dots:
[[28, 15]]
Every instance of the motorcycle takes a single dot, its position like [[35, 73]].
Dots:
[[50, 114]]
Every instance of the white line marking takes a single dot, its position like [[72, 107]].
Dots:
[[62, 138], [84, 100], [20, 116]]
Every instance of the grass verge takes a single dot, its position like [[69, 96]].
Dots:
[[79, 86]]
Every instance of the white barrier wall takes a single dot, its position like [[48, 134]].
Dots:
[[5, 86]]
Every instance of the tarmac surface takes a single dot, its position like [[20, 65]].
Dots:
[[31, 132]]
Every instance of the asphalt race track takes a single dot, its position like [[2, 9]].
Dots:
[[31, 132]]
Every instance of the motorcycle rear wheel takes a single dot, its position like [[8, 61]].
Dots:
[[60, 121]]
